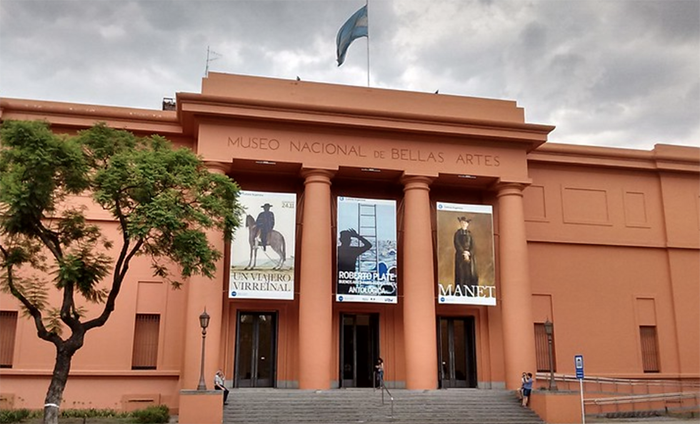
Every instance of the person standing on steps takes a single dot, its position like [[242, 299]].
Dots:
[[527, 389], [379, 369], [522, 384]]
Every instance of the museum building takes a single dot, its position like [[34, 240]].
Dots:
[[440, 233]]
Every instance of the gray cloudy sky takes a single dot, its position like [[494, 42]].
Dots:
[[623, 73]]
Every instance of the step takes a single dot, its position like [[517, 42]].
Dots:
[[346, 406]]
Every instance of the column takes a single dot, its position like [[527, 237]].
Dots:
[[516, 292], [203, 292], [418, 286], [316, 282]]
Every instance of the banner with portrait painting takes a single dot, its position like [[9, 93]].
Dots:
[[465, 251], [262, 250], [366, 268]]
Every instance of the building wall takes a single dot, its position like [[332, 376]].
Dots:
[[611, 234], [612, 238]]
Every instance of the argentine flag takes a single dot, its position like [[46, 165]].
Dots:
[[355, 27]]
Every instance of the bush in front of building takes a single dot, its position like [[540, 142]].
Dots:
[[14, 415], [91, 413], [151, 415]]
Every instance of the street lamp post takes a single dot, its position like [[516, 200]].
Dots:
[[204, 323], [549, 329]]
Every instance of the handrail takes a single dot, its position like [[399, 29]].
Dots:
[[641, 398], [620, 392], [380, 378], [628, 381]]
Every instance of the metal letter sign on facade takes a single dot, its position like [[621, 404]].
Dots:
[[578, 362]]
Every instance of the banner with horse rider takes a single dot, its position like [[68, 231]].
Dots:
[[465, 253], [366, 260], [262, 250]]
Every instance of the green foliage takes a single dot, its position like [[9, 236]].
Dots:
[[151, 415], [164, 199], [91, 413], [38, 170], [14, 415]]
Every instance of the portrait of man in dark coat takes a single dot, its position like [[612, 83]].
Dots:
[[465, 262]]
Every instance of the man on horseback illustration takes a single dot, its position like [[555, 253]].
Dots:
[[265, 223]]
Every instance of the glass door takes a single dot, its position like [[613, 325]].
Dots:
[[359, 349], [457, 353], [256, 349]]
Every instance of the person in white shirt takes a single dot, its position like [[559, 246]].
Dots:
[[220, 384]]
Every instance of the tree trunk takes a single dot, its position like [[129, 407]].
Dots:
[[58, 383]]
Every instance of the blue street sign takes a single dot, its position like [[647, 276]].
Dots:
[[578, 363]]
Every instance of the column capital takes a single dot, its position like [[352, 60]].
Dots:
[[411, 182], [505, 188], [218, 167], [317, 175]]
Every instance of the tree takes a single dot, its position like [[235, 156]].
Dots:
[[163, 201]]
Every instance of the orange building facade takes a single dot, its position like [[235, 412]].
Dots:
[[604, 243]]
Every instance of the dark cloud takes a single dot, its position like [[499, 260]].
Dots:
[[607, 72]]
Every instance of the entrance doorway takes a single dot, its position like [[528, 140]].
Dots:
[[359, 349], [256, 349], [457, 352]]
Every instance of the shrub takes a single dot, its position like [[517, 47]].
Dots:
[[151, 415], [14, 415], [89, 413]]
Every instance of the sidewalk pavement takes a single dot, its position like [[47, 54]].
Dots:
[[654, 420]]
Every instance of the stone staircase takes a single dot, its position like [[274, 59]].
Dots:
[[352, 406]]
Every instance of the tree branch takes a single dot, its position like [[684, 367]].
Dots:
[[31, 308], [50, 240], [119, 275]]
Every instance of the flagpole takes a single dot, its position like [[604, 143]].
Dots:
[[367, 6]]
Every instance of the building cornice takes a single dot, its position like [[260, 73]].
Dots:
[[662, 157], [79, 116], [194, 107], [226, 96]]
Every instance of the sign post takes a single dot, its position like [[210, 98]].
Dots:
[[578, 363]]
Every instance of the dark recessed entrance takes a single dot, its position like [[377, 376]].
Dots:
[[359, 349], [256, 349], [457, 353]]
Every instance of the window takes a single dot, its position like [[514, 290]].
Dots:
[[650, 348], [8, 328], [542, 349], [145, 355]]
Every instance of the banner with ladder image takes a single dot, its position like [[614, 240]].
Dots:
[[366, 251]]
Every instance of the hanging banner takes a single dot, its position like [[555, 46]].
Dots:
[[366, 252], [262, 250], [466, 265]]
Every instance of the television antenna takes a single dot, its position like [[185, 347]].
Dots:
[[211, 56]]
